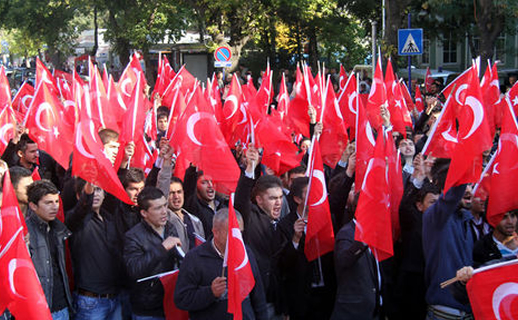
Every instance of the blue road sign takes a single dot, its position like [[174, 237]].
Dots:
[[222, 54], [410, 42]]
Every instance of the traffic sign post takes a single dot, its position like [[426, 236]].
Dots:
[[222, 57]]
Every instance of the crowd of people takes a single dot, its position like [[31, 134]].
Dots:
[[97, 257]]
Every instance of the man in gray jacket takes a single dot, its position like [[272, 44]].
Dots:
[[47, 246]]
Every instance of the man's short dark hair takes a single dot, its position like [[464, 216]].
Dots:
[[426, 189], [297, 170], [264, 183], [148, 194], [39, 189], [176, 180], [133, 175], [108, 135], [162, 115], [298, 185], [24, 141], [17, 173], [162, 109]]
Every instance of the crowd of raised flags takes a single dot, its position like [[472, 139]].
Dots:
[[63, 114]]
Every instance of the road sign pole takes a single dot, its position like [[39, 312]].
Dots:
[[409, 61]]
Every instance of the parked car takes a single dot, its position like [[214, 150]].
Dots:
[[20, 75]]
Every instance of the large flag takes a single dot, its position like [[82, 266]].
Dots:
[[128, 79], [347, 100], [20, 288], [474, 138], [44, 75], [457, 88], [365, 143], [395, 181], [7, 127], [170, 309], [5, 90], [320, 238], [239, 271], [343, 78], [493, 291], [48, 127], [504, 176], [399, 116], [90, 161], [442, 139], [373, 216], [198, 138], [265, 93], [377, 96], [104, 113], [283, 99], [22, 100]]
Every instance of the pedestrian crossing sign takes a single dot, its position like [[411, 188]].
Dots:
[[410, 42]]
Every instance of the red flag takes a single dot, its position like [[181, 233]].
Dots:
[[493, 291], [377, 96], [428, 80], [21, 290], [419, 100], [22, 100], [44, 75], [443, 135], [299, 118], [135, 117], [64, 82], [490, 87], [170, 309], [239, 271], [457, 88], [104, 113], [7, 127], [5, 90], [320, 238], [347, 101], [128, 79], [90, 162], [504, 177], [198, 138], [513, 97], [374, 226], [343, 78], [234, 114], [265, 93], [334, 134], [283, 99], [47, 127], [365, 144], [399, 116], [198, 240], [395, 182], [474, 138]]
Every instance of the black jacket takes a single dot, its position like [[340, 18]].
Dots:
[[145, 256], [193, 287], [485, 250], [41, 256]]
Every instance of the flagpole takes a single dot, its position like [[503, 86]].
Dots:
[[486, 169]]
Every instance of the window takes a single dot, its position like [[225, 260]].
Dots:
[[499, 49], [425, 57], [449, 50]]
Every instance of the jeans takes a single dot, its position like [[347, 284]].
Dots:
[[135, 317], [89, 308], [60, 315]]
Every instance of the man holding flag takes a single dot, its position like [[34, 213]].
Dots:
[[202, 289]]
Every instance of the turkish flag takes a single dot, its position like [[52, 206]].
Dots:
[[474, 138], [490, 87], [419, 100], [395, 182], [283, 99], [298, 120], [373, 214], [334, 134], [115, 101], [399, 116], [170, 309], [428, 80], [443, 136], [163, 76], [264, 95], [408, 97], [493, 291], [177, 108], [44, 75], [377, 96], [457, 88], [104, 113], [504, 175], [234, 113], [198, 138], [22, 101], [513, 97], [47, 125], [7, 127], [5, 90], [347, 100], [213, 96], [135, 117], [343, 78], [240, 278], [128, 79], [64, 82], [365, 143], [320, 238], [90, 162], [20, 288]]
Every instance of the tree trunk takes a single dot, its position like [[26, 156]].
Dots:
[[150, 68], [313, 48], [395, 17], [96, 36], [490, 24]]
